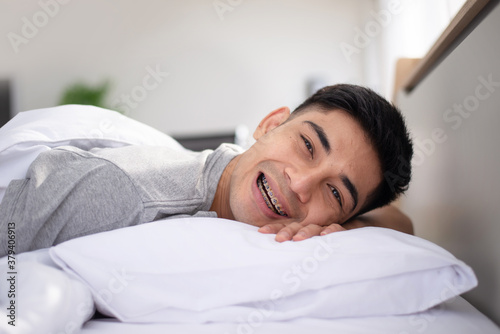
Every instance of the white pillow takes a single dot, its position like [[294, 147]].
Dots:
[[43, 298], [215, 270], [31, 132]]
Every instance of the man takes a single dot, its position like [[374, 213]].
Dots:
[[327, 162], [309, 173]]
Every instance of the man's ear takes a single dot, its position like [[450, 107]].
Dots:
[[271, 121]]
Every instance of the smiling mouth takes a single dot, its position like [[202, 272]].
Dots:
[[268, 195]]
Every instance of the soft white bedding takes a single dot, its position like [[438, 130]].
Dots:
[[32, 132], [212, 275], [456, 316], [196, 270]]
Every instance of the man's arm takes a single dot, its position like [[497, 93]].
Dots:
[[388, 216]]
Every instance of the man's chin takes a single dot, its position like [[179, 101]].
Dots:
[[249, 220]]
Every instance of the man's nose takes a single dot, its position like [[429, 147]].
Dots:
[[302, 182]]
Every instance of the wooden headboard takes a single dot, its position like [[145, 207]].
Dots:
[[453, 110]]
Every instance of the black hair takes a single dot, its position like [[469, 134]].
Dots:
[[385, 128]]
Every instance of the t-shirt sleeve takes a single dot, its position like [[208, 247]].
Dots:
[[67, 193]]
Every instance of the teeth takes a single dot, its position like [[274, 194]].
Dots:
[[264, 195], [268, 195]]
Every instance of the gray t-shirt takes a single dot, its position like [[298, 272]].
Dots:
[[69, 192]]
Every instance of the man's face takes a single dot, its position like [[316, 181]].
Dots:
[[316, 168]]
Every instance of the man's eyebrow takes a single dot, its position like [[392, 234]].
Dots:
[[326, 145], [352, 190], [321, 135]]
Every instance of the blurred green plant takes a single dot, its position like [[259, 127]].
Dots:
[[82, 93]]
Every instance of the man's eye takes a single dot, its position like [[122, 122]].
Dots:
[[308, 145], [336, 193]]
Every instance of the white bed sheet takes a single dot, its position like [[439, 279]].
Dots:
[[456, 316]]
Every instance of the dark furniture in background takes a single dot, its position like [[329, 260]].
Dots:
[[5, 101]]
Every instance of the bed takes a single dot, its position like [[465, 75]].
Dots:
[[192, 275]]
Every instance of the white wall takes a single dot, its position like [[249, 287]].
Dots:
[[410, 28], [224, 68], [454, 197]]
